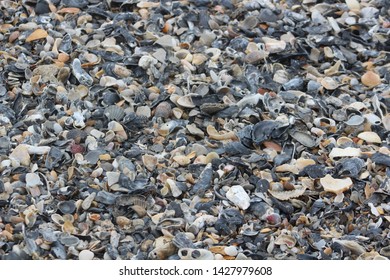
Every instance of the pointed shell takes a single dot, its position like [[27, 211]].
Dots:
[[336, 186], [36, 35]]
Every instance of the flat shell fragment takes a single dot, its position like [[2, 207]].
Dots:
[[36, 35], [286, 195], [273, 45], [238, 196], [336, 186], [370, 137], [347, 152]]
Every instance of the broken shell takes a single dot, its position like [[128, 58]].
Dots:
[[36, 35], [186, 101], [150, 162], [336, 186], [370, 137], [214, 134], [287, 240], [286, 195], [238, 196]]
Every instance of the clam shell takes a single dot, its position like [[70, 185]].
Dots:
[[371, 79], [370, 137], [67, 207]]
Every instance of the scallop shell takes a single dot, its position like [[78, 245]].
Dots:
[[114, 112]]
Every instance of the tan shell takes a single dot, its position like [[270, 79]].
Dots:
[[371, 79], [36, 35], [370, 137], [182, 160], [150, 162], [336, 186], [214, 134]]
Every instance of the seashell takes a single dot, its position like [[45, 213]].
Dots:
[[286, 195], [285, 239], [273, 45], [114, 112], [371, 79], [347, 152], [163, 252], [353, 246], [336, 186], [182, 160], [68, 240], [194, 130], [250, 22], [122, 221], [370, 137], [186, 101], [181, 240], [163, 110], [239, 197], [112, 178], [380, 158], [195, 254], [304, 138], [344, 141], [329, 83], [32, 180], [373, 119], [214, 134], [353, 5], [166, 128], [150, 162], [67, 207], [171, 224], [175, 190], [349, 167], [86, 255], [177, 113], [80, 74], [36, 35]]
